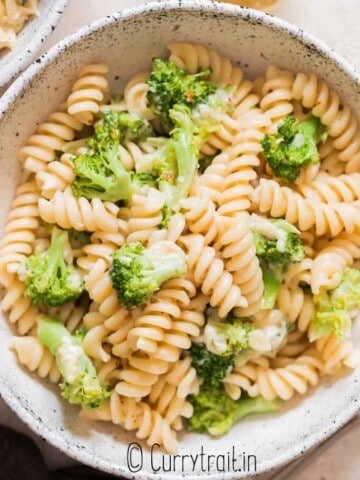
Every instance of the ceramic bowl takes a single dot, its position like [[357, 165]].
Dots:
[[127, 41], [30, 39]]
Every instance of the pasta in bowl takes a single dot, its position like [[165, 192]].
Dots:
[[181, 250]]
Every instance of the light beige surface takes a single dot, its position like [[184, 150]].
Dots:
[[336, 22]]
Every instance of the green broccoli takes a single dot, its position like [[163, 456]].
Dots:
[[277, 246], [100, 172], [215, 412], [129, 127], [81, 384], [175, 163], [210, 367], [49, 278], [138, 272], [333, 307], [170, 85], [161, 163], [227, 338], [293, 146]]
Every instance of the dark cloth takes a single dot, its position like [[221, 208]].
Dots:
[[20, 459]]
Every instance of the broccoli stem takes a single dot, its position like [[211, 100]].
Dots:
[[80, 382], [271, 286], [56, 253], [170, 266], [250, 406], [53, 334], [186, 154], [310, 126]]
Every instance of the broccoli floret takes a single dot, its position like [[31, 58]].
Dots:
[[224, 338], [170, 85], [100, 172], [81, 384], [129, 126], [49, 278], [277, 246], [276, 241], [293, 146], [132, 127], [333, 307], [346, 296], [138, 272], [215, 412], [210, 367], [333, 321]]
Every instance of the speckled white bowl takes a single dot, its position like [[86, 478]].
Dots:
[[127, 41], [30, 39]]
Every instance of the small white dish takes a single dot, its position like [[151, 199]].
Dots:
[[30, 39]]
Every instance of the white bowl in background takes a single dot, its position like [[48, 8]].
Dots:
[[30, 39], [127, 41]]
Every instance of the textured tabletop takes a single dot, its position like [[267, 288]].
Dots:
[[333, 21]]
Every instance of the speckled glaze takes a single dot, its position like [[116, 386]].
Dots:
[[30, 39], [127, 41]]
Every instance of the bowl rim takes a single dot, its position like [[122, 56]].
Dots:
[[17, 88], [53, 17]]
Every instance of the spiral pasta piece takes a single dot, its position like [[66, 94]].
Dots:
[[19, 235], [337, 354], [277, 95], [201, 217], [296, 377], [141, 373], [119, 323], [93, 343], [57, 176], [158, 324], [243, 159], [299, 273], [297, 306], [50, 138], [297, 343], [242, 377], [88, 93], [328, 189], [68, 211], [279, 201], [102, 245], [211, 183], [139, 416], [145, 216], [237, 247], [210, 274], [72, 313], [98, 285], [19, 308], [135, 96], [168, 395], [35, 357], [326, 104]]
